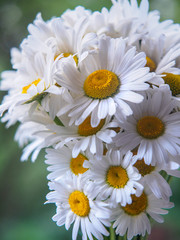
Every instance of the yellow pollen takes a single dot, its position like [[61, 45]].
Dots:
[[174, 82], [85, 128], [101, 84], [67, 55], [25, 89], [116, 177], [151, 64], [150, 127], [76, 164], [79, 203], [138, 205]]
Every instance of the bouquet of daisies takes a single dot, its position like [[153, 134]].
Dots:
[[100, 91]]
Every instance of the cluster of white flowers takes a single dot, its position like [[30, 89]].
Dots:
[[100, 91]]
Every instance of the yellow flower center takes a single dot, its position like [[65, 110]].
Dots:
[[85, 128], [138, 205], [67, 55], [101, 84], [25, 89], [79, 203], [150, 127], [76, 164], [151, 64], [143, 168], [116, 177], [174, 82]]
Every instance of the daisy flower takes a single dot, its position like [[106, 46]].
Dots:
[[61, 161], [30, 82], [76, 204], [153, 128], [85, 137], [56, 37], [105, 81], [161, 59], [152, 178], [115, 177], [133, 218]]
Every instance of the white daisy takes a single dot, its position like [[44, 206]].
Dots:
[[76, 204], [105, 81], [29, 82], [152, 178], [153, 128], [133, 218], [161, 59], [115, 178], [56, 37], [61, 161], [84, 136]]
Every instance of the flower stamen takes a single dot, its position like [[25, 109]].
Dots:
[[150, 127], [85, 128], [101, 84], [174, 82], [138, 205], [116, 177], [76, 164], [79, 203]]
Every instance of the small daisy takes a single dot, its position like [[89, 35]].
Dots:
[[133, 218], [76, 204], [153, 128], [152, 178], [85, 137], [161, 59], [61, 161], [105, 81], [115, 178], [29, 82]]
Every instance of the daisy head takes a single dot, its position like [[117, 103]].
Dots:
[[105, 81], [76, 204], [61, 161], [85, 137], [115, 178], [150, 176], [133, 219], [161, 59], [153, 128]]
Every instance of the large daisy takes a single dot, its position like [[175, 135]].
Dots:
[[133, 218], [76, 203], [153, 128], [115, 178], [105, 81]]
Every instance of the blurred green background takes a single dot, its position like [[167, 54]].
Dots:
[[23, 186]]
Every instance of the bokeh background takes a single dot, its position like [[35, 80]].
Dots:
[[23, 185]]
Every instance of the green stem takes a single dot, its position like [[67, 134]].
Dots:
[[112, 233]]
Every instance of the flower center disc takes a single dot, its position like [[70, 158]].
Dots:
[[85, 128], [79, 203], [150, 127], [76, 164], [117, 177], [151, 64], [143, 168], [174, 82], [138, 205], [25, 89], [101, 84]]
